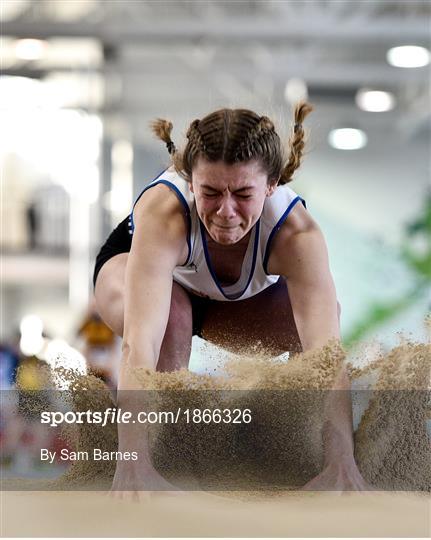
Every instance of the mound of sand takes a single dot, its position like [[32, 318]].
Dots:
[[282, 447], [392, 447]]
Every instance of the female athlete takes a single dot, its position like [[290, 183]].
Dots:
[[219, 246]]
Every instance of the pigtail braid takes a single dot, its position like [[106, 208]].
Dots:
[[296, 142], [257, 139], [195, 137], [162, 130]]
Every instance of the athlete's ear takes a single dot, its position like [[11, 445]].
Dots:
[[270, 188], [191, 186]]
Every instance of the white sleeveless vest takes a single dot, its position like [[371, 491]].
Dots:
[[197, 274]]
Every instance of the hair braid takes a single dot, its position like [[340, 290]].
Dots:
[[256, 139], [195, 137], [296, 142], [162, 130], [237, 135]]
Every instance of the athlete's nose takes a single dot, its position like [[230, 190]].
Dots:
[[226, 209]]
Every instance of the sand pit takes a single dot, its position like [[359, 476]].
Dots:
[[206, 515], [282, 448], [244, 485]]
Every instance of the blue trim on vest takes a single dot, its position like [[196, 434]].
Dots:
[[131, 222], [211, 270], [276, 229], [183, 201]]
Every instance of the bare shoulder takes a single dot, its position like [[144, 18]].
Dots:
[[160, 201], [298, 221], [299, 241], [159, 215]]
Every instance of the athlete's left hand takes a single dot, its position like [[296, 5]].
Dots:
[[338, 477]]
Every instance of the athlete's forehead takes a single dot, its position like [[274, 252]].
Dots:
[[220, 175]]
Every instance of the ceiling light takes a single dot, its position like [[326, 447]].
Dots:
[[347, 139], [408, 56], [374, 100], [30, 49]]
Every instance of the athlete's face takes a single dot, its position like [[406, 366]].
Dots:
[[229, 198]]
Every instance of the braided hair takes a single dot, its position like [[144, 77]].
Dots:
[[238, 135]]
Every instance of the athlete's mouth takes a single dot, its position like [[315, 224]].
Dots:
[[225, 226]]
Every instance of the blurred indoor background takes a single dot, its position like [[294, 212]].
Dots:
[[80, 81]]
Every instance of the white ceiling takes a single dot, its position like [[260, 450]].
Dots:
[[192, 55], [181, 59]]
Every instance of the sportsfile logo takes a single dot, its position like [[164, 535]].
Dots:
[[119, 416]]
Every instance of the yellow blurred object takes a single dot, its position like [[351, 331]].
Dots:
[[30, 375], [95, 332]]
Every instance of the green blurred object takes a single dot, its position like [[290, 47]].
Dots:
[[420, 229], [415, 252]]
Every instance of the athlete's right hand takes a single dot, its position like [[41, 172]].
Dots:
[[138, 484], [136, 480]]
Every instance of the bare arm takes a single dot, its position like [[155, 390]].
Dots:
[[299, 253], [158, 245]]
